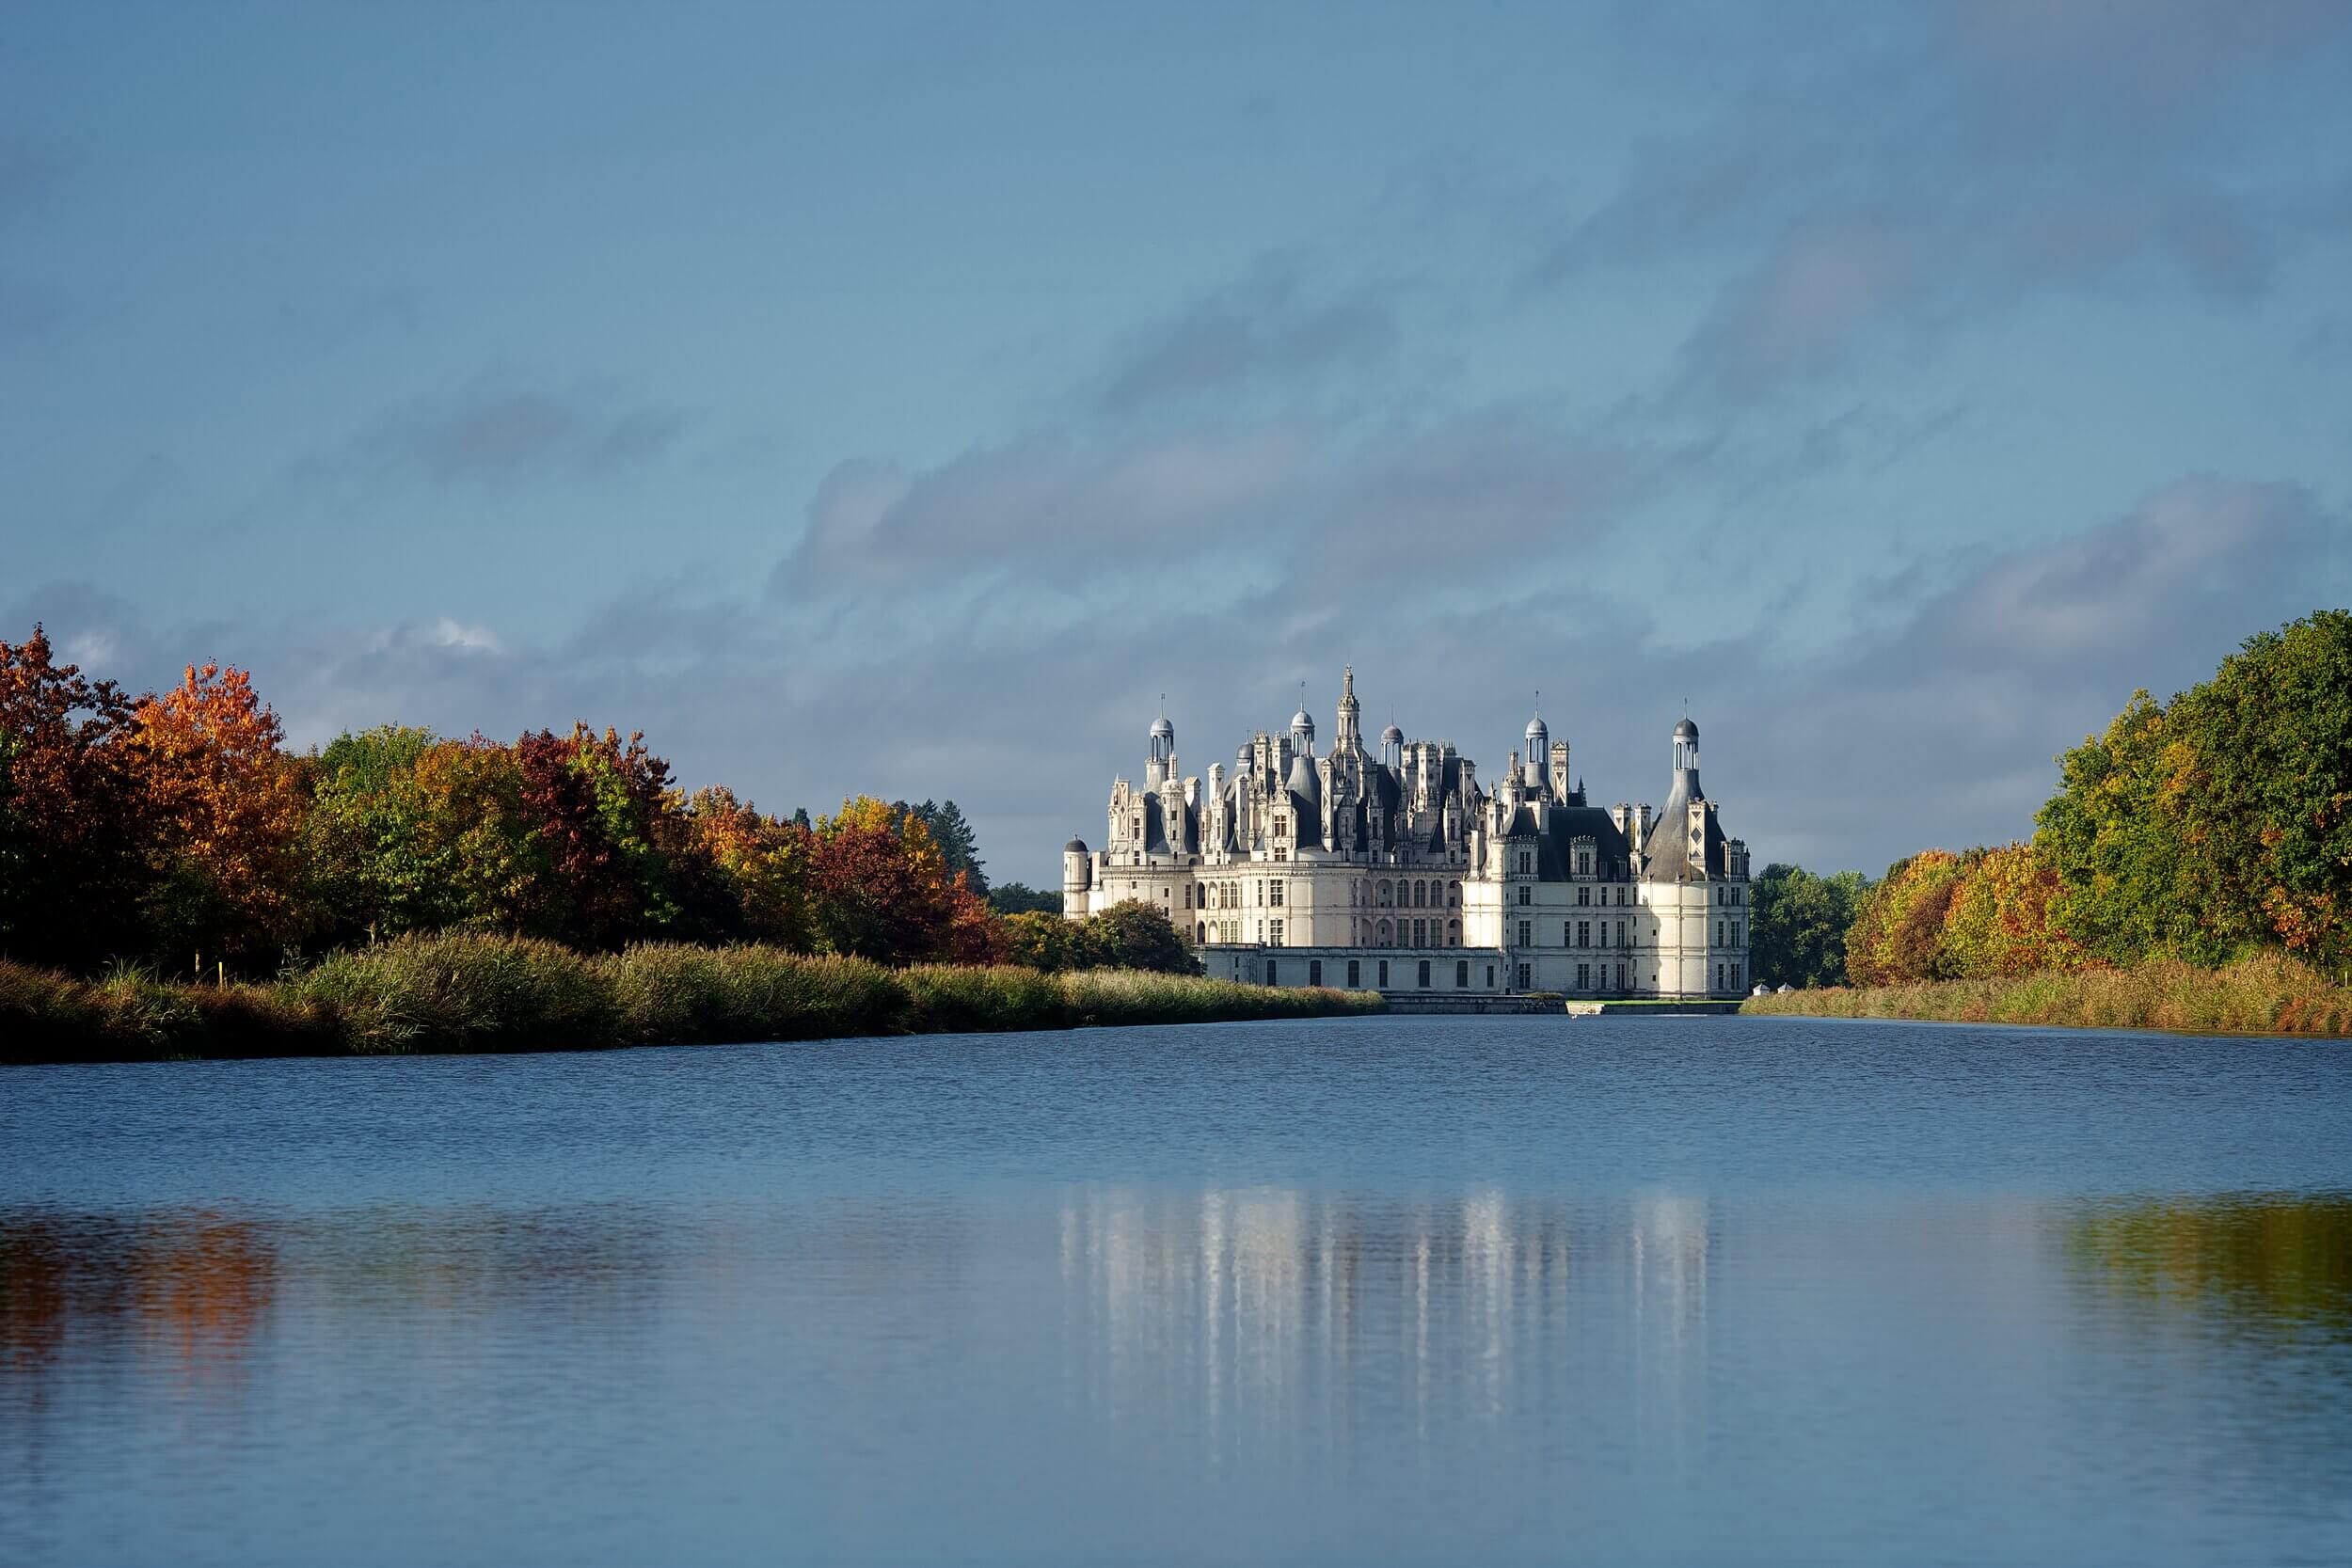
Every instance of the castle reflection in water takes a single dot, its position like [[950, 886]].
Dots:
[[1272, 1306]]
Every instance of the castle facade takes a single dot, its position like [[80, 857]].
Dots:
[[1399, 871]]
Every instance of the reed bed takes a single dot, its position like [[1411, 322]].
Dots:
[[470, 992], [2269, 994]]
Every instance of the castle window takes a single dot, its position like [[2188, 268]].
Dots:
[[1621, 933], [1384, 975], [1420, 896], [1584, 977], [1270, 973], [1621, 976], [1583, 896], [1563, 933], [1719, 933], [1421, 933], [1719, 977], [1315, 972], [1524, 977], [1424, 975], [1454, 895], [1490, 976], [1274, 891], [1584, 933], [1454, 933], [1354, 973], [1527, 936], [1735, 933], [1524, 893], [1461, 975], [1526, 862]]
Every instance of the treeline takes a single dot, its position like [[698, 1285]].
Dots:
[[175, 830], [2207, 831]]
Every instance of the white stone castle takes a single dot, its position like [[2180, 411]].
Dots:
[[1400, 873]]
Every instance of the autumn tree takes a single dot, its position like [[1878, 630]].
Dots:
[[227, 805], [74, 824], [882, 889], [763, 862], [617, 838], [2001, 919]]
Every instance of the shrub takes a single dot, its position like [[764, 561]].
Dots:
[[462, 992]]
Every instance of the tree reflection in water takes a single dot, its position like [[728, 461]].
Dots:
[[2270, 1263], [191, 1287]]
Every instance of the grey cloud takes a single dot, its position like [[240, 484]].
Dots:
[[1311, 511], [1267, 331], [1940, 726], [490, 434], [1936, 723], [2008, 152]]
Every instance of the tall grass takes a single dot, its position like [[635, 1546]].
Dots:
[[474, 992], [2268, 993]]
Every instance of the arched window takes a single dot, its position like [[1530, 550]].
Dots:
[[1200, 932], [1420, 896], [1384, 933], [1454, 895], [1384, 895], [1454, 933]]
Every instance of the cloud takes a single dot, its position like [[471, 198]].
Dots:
[[1920, 179], [1941, 724], [494, 435], [1264, 332], [1935, 722]]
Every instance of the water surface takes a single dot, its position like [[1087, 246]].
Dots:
[[1401, 1289]]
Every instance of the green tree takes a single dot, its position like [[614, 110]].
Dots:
[[414, 833], [1019, 899], [1797, 923]]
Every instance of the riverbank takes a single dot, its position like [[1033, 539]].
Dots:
[[483, 993], [2270, 994]]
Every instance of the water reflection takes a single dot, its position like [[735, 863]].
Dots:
[[1267, 1307], [193, 1288], [875, 1367], [2263, 1263]]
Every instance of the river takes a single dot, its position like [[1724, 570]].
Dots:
[[1396, 1290]]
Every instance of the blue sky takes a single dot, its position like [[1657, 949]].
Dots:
[[901, 398]]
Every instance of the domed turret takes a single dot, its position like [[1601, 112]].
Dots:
[[1393, 747], [1687, 755], [1302, 728], [1160, 764], [1077, 875]]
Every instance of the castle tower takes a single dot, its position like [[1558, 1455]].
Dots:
[[1160, 764], [1076, 874], [1686, 770], [1348, 738], [1538, 743]]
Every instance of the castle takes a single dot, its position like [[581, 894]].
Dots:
[[1401, 873]]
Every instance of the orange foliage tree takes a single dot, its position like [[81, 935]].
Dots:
[[227, 804]]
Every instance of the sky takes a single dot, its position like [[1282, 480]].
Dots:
[[908, 399]]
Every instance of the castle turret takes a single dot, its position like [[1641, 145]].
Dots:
[[1160, 764], [1077, 873], [1686, 769], [1348, 738]]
